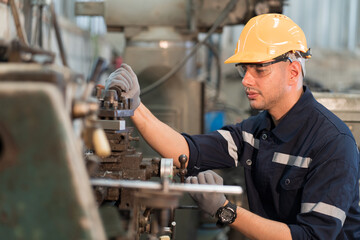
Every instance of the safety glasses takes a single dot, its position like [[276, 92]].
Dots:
[[259, 70]]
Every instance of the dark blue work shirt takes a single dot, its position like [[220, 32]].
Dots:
[[304, 172]]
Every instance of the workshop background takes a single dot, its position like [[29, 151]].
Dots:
[[54, 57]]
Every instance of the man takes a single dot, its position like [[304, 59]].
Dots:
[[301, 162]]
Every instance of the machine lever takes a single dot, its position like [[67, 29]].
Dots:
[[182, 171]]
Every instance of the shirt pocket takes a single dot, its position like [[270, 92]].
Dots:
[[290, 193]]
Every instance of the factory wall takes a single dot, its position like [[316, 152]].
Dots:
[[332, 30]]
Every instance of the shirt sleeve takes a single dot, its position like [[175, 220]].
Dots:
[[215, 150], [331, 190]]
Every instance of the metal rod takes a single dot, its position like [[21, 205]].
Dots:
[[19, 28], [58, 35], [40, 36], [206, 188], [233, 190]]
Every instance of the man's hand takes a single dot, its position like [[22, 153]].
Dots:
[[208, 202], [125, 82]]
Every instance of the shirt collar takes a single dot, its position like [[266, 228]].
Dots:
[[266, 122], [289, 126]]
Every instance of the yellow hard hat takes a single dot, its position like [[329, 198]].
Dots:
[[268, 36]]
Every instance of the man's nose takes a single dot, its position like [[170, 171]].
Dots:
[[248, 80]]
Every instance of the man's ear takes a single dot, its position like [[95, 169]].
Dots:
[[294, 72]]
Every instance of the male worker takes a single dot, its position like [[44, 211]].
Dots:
[[301, 162]]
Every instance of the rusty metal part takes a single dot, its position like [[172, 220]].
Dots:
[[161, 210], [128, 165], [18, 52], [112, 106], [124, 162], [105, 113]]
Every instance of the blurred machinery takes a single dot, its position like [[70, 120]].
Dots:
[[45, 185]]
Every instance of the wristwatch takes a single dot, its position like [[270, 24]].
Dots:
[[226, 214]]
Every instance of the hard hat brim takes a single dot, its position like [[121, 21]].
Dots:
[[249, 58]]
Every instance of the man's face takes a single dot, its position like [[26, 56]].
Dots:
[[267, 92]]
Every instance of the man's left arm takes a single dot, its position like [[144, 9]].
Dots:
[[255, 227], [246, 222]]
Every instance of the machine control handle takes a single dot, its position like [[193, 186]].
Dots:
[[183, 171], [101, 143]]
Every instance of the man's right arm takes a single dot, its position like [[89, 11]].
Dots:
[[162, 138]]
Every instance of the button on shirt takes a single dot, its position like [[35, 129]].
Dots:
[[304, 172]]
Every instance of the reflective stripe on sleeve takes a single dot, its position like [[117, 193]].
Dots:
[[232, 148], [249, 138], [324, 208], [286, 159]]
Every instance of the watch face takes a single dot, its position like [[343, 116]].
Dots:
[[226, 214]]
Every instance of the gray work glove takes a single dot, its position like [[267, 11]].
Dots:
[[208, 202], [125, 82]]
